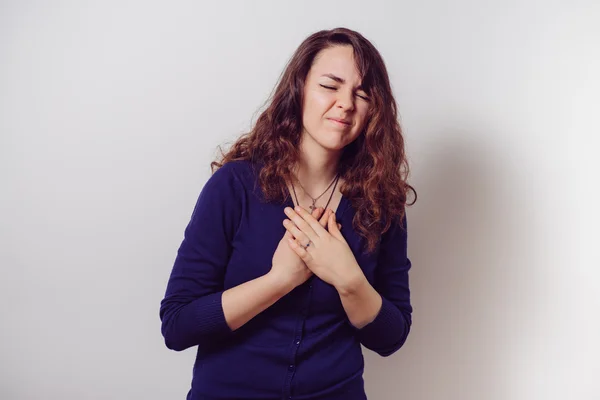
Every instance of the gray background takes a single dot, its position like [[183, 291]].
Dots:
[[110, 112]]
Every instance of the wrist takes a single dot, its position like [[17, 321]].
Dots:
[[280, 285], [352, 284]]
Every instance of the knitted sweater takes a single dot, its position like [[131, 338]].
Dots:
[[302, 347]]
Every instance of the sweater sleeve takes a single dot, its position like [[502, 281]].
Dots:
[[191, 311], [389, 330]]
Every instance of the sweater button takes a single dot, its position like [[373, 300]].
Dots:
[[291, 367], [297, 342]]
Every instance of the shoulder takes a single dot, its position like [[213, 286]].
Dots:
[[243, 170], [239, 175]]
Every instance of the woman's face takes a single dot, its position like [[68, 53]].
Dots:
[[335, 107]]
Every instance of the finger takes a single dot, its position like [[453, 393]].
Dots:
[[324, 218], [295, 232], [317, 212], [302, 222], [333, 229], [301, 251], [312, 223]]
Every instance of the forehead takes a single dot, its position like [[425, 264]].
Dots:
[[337, 60]]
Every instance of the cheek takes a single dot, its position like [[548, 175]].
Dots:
[[362, 116], [316, 105]]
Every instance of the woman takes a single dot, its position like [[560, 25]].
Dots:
[[295, 253]]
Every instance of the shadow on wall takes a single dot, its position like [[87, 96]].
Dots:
[[461, 236]]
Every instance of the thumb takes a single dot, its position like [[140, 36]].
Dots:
[[333, 228]]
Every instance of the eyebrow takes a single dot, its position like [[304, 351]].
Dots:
[[335, 78], [340, 80]]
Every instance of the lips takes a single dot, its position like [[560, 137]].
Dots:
[[340, 121]]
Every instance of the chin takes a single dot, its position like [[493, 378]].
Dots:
[[331, 140], [332, 144]]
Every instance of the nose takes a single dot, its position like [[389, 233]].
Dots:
[[345, 100]]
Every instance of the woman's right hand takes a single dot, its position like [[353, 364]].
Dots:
[[287, 267]]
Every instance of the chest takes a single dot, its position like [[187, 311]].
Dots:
[[259, 234]]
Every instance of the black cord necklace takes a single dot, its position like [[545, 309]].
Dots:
[[313, 206]]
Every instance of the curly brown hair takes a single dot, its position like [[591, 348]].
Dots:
[[373, 167]]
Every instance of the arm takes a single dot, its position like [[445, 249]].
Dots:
[[195, 308], [245, 301], [360, 301], [382, 313], [191, 310], [242, 303]]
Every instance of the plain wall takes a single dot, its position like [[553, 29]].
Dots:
[[111, 111]]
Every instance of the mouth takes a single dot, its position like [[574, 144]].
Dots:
[[340, 122]]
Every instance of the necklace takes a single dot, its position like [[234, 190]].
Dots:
[[314, 200]]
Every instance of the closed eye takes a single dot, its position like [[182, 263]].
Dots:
[[364, 97]]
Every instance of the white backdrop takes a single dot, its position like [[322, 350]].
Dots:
[[111, 111]]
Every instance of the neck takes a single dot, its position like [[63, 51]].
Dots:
[[316, 167]]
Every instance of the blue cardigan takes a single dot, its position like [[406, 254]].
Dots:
[[303, 347]]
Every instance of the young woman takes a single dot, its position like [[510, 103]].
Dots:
[[296, 251]]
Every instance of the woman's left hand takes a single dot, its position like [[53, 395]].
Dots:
[[328, 255]]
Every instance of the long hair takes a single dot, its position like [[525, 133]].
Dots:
[[374, 166]]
